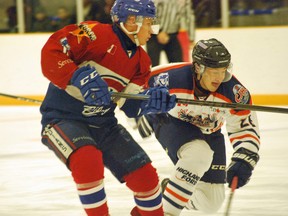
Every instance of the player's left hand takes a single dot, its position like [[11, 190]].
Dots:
[[160, 100], [242, 165]]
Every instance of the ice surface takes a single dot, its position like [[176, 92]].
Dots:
[[34, 182]]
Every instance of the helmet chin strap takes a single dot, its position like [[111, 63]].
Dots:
[[136, 40], [134, 33]]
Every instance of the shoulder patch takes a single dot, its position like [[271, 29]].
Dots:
[[241, 94], [161, 80], [84, 30], [65, 45]]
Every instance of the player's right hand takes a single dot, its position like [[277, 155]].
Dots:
[[160, 101], [93, 88]]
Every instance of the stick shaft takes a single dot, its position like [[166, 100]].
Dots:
[[178, 100], [21, 98], [230, 198], [209, 103]]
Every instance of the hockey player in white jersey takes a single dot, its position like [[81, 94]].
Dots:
[[191, 134]]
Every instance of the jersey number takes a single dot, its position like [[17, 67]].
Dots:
[[247, 122]]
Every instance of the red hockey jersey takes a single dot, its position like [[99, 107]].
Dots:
[[98, 45]]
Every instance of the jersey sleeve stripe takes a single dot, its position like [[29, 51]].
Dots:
[[248, 136], [247, 144], [238, 133]]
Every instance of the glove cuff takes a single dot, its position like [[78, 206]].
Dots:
[[242, 154], [144, 127]]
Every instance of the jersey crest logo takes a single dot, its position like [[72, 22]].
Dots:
[[241, 94], [161, 80], [84, 30], [203, 121]]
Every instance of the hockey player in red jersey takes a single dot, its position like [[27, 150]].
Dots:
[[84, 63], [191, 134]]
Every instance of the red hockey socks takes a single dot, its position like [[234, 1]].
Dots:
[[88, 172], [144, 183]]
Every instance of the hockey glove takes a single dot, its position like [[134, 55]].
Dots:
[[144, 127], [242, 165], [93, 88], [160, 101]]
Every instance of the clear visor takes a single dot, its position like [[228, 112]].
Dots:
[[230, 68], [228, 71], [228, 74], [153, 22]]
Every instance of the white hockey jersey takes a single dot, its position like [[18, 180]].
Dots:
[[242, 125]]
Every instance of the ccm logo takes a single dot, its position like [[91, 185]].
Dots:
[[218, 167], [86, 79]]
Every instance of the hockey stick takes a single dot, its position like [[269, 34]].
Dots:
[[21, 98], [232, 191], [208, 103], [178, 100]]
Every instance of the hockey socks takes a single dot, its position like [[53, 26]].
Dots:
[[175, 197], [94, 200], [144, 183], [195, 159], [88, 172]]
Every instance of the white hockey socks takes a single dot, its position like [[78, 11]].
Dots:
[[195, 159]]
